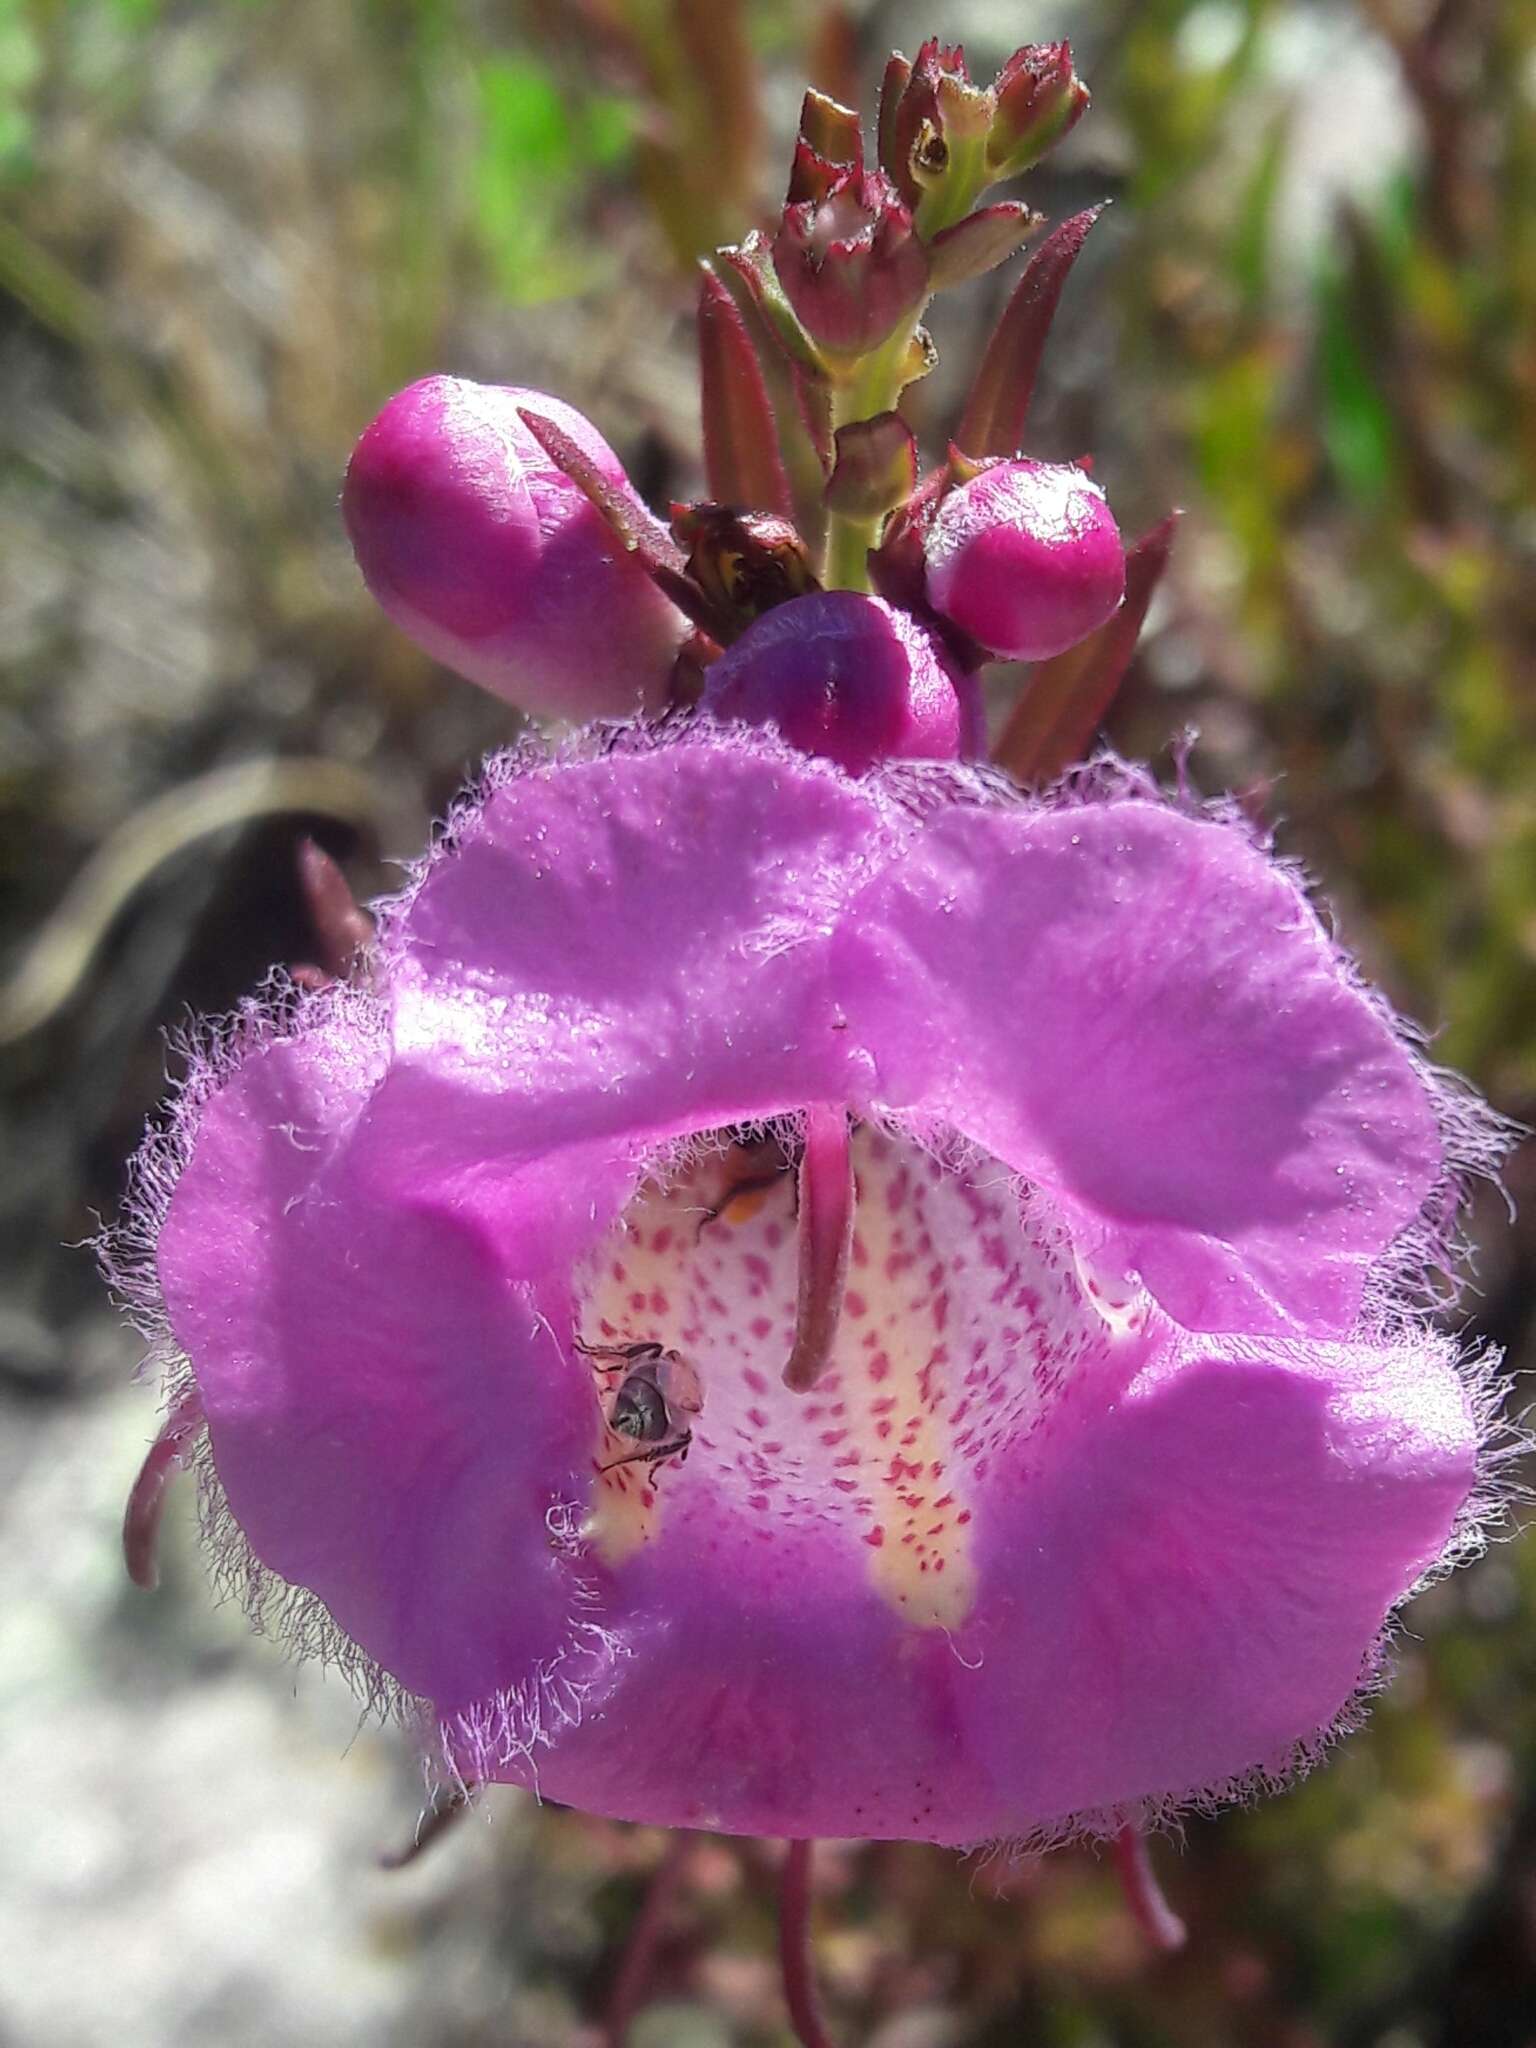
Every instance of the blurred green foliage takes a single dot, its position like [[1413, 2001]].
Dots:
[[228, 229]]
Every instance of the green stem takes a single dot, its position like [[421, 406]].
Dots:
[[848, 544], [874, 387]]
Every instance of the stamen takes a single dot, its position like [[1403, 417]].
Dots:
[[1162, 1927], [826, 1236], [146, 1501]]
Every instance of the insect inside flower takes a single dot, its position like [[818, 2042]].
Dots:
[[658, 1385]]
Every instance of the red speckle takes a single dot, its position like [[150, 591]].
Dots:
[[832, 1437], [662, 1238], [846, 1485], [860, 1253], [880, 1368], [761, 1327], [637, 1302], [875, 1538], [658, 1302], [962, 1518], [883, 1430], [757, 1418], [758, 1501], [754, 1379], [854, 1303]]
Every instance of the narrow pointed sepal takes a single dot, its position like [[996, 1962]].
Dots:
[[1067, 698], [979, 243], [997, 409], [1161, 1926], [741, 458], [342, 928], [146, 1501]]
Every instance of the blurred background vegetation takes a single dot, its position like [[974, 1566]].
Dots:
[[228, 230]]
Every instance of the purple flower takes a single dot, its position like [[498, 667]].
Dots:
[[1026, 558], [490, 558], [850, 677], [1051, 1148]]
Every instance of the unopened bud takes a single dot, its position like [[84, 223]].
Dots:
[[496, 563], [934, 124], [1039, 97], [850, 264], [848, 677], [1026, 558]]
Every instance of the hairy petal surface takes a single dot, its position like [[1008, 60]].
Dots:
[[1142, 1013], [1105, 1494], [1016, 1560]]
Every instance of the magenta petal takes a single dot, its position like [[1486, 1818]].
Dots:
[[1178, 1554], [1032, 1548], [1140, 1011], [635, 943], [385, 1408]]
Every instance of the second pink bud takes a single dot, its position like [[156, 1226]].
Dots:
[[491, 559], [1026, 558]]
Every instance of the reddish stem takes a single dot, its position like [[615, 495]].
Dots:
[[639, 1956], [1157, 1920], [795, 1947]]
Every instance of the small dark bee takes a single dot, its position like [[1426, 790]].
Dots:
[[656, 1381]]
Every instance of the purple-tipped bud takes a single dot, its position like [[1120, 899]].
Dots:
[[850, 264], [491, 559], [1026, 558], [848, 677], [1039, 97]]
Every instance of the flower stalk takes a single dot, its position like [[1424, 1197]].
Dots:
[[795, 1947]]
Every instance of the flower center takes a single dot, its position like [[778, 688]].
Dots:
[[961, 1321]]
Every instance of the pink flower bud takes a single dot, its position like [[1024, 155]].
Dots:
[[849, 677], [850, 264], [1026, 558], [490, 558], [1039, 98]]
